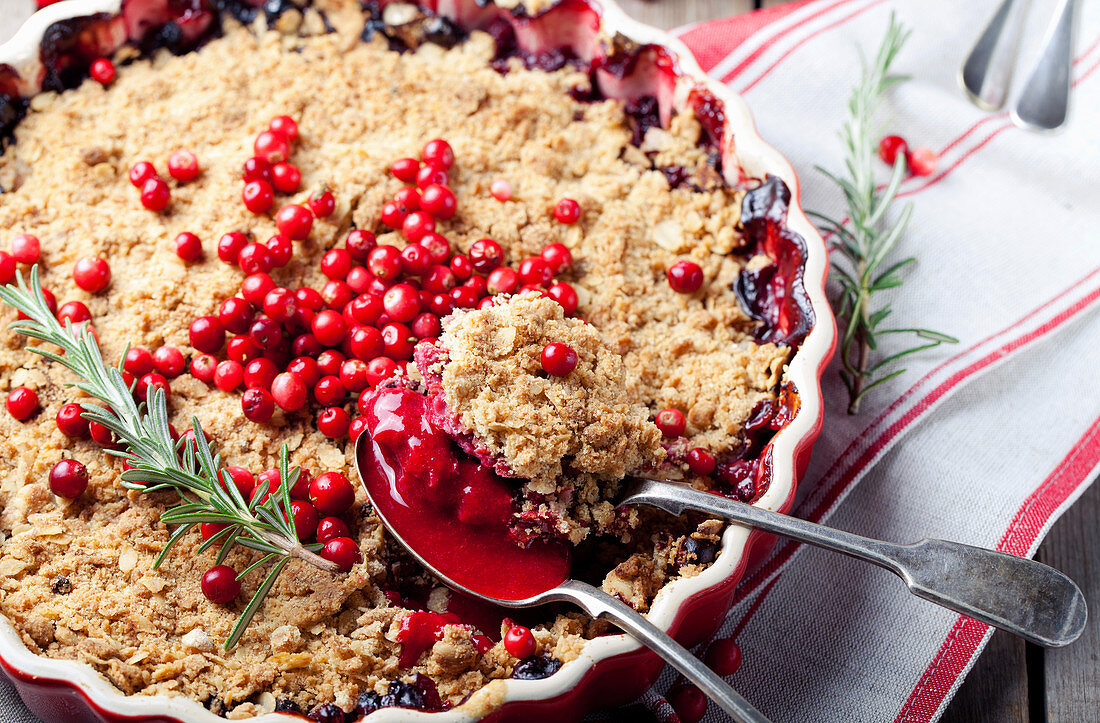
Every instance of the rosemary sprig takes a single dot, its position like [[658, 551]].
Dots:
[[865, 240], [157, 462]]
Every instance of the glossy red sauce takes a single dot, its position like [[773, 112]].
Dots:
[[448, 508]]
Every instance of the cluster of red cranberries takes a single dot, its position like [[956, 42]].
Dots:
[[920, 160]]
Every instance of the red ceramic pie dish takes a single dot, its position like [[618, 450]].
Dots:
[[791, 303]]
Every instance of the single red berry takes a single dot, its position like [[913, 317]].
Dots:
[[141, 172], [384, 262], [501, 190], [462, 268], [558, 359], [228, 375], [520, 642], [209, 530], [724, 656], [26, 248], [330, 528], [922, 161], [147, 382], [256, 169], [286, 178], [102, 71], [464, 297], [415, 260], [260, 373], [398, 340], [359, 244], [426, 326], [74, 312], [429, 174], [485, 255], [343, 551], [329, 363], [671, 422], [688, 701], [416, 225], [203, 367], [101, 435], [407, 199], [280, 304], [336, 263], [379, 369], [242, 349], [701, 461], [441, 305], [353, 375], [366, 308], [439, 201], [502, 280], [322, 203], [294, 221], [356, 428], [220, 584], [138, 361], [266, 333], [438, 152], [235, 315], [258, 196], [393, 215], [22, 403], [565, 295], [272, 147], [255, 287], [155, 194], [230, 245], [188, 247], [401, 302], [558, 257], [889, 148], [331, 493], [329, 391], [365, 342], [68, 479], [183, 166], [92, 274], [255, 258], [405, 169], [535, 271], [305, 518], [685, 277], [306, 369], [7, 267], [243, 480], [567, 211], [71, 422], [439, 279], [207, 334], [300, 490], [329, 327], [285, 126], [258, 405], [333, 422], [289, 392], [281, 250]]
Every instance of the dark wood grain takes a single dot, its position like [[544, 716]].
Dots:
[[997, 687]]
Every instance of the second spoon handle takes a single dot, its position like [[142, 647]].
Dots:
[[1032, 600], [599, 604]]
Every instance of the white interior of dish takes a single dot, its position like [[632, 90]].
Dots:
[[758, 159]]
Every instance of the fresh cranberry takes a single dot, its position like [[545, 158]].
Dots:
[[426, 326], [520, 642], [68, 479], [51, 301], [437, 246], [438, 152], [228, 375], [366, 308], [415, 259], [255, 287], [141, 172], [242, 349], [183, 166], [230, 245], [439, 279], [70, 421], [329, 327], [408, 199], [398, 341], [333, 422], [74, 312], [331, 493], [280, 304], [256, 169], [416, 225], [464, 297], [558, 359], [701, 461], [329, 362], [384, 262], [565, 295], [365, 342], [330, 528], [101, 435], [461, 267], [289, 391], [567, 211], [889, 148], [260, 373], [285, 126], [329, 391], [265, 333], [353, 375], [285, 177], [155, 194], [138, 361], [209, 530], [439, 201], [255, 258], [336, 263], [235, 315], [922, 161], [724, 656], [535, 271], [305, 518], [188, 246], [685, 277], [281, 249], [343, 551], [22, 403], [688, 701], [393, 215], [671, 422], [92, 274], [243, 480], [379, 369], [441, 305], [102, 71], [401, 302], [429, 175], [168, 360], [203, 367], [294, 221], [258, 196], [501, 190], [558, 257], [257, 405], [207, 334], [485, 255], [7, 267], [305, 368], [359, 244], [272, 147], [322, 203], [220, 584], [405, 169], [147, 382]]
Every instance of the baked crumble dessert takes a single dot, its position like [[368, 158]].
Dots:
[[372, 267]]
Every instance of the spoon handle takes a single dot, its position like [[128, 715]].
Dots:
[[987, 72], [1032, 600], [1044, 102], [599, 604]]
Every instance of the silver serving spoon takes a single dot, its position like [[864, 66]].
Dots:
[[986, 74], [1044, 102]]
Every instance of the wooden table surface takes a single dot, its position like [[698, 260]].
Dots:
[[1012, 682]]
